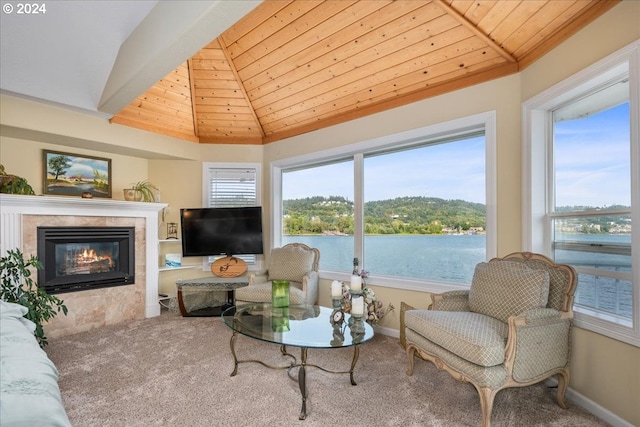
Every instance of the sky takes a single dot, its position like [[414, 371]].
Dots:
[[449, 171], [84, 166], [591, 159]]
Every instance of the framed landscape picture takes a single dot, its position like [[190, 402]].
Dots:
[[67, 174]]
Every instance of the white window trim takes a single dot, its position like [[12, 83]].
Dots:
[[536, 130], [205, 194], [486, 120]]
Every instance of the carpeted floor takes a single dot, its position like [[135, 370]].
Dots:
[[175, 371]]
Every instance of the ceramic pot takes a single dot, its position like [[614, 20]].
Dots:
[[132, 195]]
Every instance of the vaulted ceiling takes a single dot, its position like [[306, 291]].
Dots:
[[290, 67]]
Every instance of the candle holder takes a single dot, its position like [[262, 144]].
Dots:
[[172, 230], [356, 293], [338, 336], [336, 302], [357, 330]]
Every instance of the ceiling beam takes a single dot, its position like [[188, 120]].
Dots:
[[171, 32], [192, 91], [227, 55], [475, 30]]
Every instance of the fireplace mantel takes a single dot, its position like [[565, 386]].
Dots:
[[13, 207]]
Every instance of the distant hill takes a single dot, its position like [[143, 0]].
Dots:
[[402, 215]]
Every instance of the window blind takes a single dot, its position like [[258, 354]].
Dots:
[[231, 187]]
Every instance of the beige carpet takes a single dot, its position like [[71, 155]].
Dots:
[[175, 371]]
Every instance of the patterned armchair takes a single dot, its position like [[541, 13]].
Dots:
[[511, 329], [294, 262]]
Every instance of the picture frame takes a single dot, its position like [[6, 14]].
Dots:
[[69, 174]]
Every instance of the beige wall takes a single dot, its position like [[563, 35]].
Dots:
[[604, 370], [25, 158]]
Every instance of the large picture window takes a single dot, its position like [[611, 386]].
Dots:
[[411, 207], [428, 203], [583, 196]]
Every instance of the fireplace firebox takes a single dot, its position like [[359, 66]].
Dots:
[[82, 258]]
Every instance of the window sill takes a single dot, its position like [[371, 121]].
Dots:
[[402, 283]]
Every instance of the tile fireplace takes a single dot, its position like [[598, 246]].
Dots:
[[22, 216]]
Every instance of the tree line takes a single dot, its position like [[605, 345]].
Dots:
[[402, 215]]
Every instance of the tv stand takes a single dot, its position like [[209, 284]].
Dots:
[[212, 283]]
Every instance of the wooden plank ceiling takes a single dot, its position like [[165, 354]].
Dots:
[[291, 67]]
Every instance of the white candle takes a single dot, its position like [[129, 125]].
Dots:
[[356, 283], [336, 289], [357, 306]]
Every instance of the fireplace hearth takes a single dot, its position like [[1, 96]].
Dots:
[[82, 258]]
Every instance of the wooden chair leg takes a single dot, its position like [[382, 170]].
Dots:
[[563, 384], [486, 404], [411, 355]]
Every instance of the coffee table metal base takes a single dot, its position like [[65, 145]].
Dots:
[[302, 368]]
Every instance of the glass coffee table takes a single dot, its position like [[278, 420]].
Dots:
[[303, 326]]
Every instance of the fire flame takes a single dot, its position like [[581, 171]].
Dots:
[[89, 256]]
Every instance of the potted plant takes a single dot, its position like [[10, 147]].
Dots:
[[141, 191], [12, 184], [18, 287]]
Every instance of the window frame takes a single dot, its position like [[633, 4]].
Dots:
[[537, 160], [416, 137]]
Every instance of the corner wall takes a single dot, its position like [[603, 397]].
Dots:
[[603, 370]]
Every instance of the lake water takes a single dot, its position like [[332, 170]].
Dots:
[[453, 258], [442, 257]]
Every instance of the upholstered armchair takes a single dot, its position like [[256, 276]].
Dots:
[[294, 262], [510, 329]]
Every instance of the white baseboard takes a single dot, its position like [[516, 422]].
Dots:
[[394, 333], [593, 407], [598, 410]]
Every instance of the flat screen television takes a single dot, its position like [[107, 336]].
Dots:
[[221, 231]]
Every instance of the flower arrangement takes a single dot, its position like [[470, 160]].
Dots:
[[375, 310]]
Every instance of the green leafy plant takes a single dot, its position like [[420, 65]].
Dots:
[[18, 287], [144, 191], [12, 184]]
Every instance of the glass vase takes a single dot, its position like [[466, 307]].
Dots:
[[280, 293], [280, 320]]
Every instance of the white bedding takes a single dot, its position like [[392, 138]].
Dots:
[[29, 393]]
